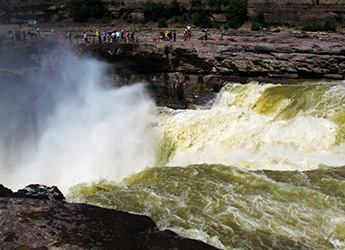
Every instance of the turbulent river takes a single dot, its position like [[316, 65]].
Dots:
[[262, 168]]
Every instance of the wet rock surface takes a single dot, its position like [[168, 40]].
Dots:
[[42, 223], [34, 191]]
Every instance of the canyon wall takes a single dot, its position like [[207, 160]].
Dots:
[[295, 12]]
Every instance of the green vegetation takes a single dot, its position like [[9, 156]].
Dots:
[[155, 11], [200, 18], [218, 4], [258, 22], [59, 17], [198, 14], [236, 13], [173, 12], [328, 24], [162, 23], [255, 25], [85, 10]]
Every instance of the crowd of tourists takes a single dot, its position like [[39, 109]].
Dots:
[[105, 36], [112, 36]]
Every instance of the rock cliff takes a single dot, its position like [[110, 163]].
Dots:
[[240, 53], [294, 12], [184, 73], [36, 217]]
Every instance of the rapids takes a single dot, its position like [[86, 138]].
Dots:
[[262, 168]]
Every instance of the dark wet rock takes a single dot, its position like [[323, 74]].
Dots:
[[37, 191], [5, 192], [53, 224], [34, 191]]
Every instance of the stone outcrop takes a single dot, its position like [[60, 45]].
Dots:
[[295, 12], [49, 223]]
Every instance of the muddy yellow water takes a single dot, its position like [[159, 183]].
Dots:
[[263, 168]]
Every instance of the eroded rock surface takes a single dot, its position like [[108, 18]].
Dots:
[[241, 53], [27, 223]]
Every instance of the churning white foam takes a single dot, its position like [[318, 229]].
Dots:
[[83, 130], [233, 134]]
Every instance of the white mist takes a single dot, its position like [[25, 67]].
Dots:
[[82, 131]]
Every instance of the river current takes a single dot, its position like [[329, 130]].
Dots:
[[263, 167]]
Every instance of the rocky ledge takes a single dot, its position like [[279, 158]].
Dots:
[[272, 54], [37, 217]]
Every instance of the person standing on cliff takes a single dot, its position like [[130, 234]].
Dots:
[[132, 36], [189, 31], [118, 36], [122, 35], [174, 36], [98, 36], [85, 37], [24, 36], [185, 35]]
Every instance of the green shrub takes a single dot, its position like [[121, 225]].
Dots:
[[340, 18], [206, 22], [82, 10], [216, 25], [126, 15], [261, 17], [154, 11], [162, 23], [236, 13], [316, 26], [106, 19], [197, 18], [255, 26], [328, 24], [212, 3], [196, 3], [59, 17], [217, 3], [174, 9]]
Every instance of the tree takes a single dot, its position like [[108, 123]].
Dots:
[[153, 11], [236, 13], [82, 10]]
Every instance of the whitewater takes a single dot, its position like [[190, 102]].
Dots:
[[262, 168]]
